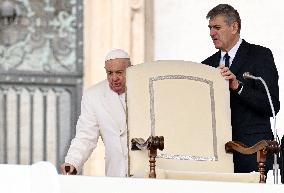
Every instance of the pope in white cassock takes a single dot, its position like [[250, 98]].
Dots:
[[103, 114]]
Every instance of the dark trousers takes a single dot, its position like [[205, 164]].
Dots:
[[248, 163]]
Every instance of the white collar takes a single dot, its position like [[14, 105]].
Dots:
[[233, 51], [122, 101]]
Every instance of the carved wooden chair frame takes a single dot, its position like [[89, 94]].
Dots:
[[262, 149]]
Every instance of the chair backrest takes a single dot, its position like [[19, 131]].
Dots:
[[188, 103]]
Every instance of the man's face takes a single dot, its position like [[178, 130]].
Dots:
[[115, 70], [222, 34]]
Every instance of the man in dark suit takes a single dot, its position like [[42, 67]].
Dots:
[[250, 108]]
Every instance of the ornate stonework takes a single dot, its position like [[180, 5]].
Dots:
[[42, 37]]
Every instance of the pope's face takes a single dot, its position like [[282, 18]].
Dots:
[[115, 70]]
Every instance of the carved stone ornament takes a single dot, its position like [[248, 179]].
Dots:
[[39, 36]]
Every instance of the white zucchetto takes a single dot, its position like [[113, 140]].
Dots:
[[116, 53]]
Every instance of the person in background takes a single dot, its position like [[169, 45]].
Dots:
[[103, 113], [250, 108]]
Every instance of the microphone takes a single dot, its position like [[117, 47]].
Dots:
[[247, 76]]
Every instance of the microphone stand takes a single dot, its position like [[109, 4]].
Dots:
[[247, 75]]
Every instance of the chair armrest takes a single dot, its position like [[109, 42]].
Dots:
[[153, 142], [262, 149], [265, 145]]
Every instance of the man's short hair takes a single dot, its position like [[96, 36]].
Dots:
[[228, 12]]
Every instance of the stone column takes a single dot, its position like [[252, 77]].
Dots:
[[113, 24]]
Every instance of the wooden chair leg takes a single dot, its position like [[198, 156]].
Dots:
[[152, 160], [151, 144], [261, 159]]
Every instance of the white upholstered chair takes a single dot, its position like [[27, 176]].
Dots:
[[188, 104]]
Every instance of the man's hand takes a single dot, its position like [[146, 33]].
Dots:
[[228, 75], [68, 169]]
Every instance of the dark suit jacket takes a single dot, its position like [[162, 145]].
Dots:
[[250, 111]]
